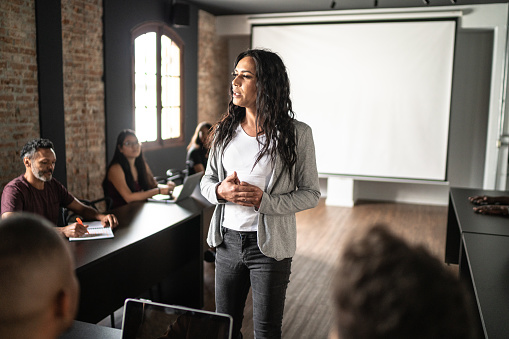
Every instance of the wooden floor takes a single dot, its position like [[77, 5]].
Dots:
[[320, 235]]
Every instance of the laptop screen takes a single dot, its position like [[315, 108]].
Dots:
[[144, 319], [180, 192]]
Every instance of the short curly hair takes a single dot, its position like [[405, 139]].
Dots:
[[386, 288], [32, 146]]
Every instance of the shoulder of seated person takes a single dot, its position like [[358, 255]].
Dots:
[[116, 167], [115, 170]]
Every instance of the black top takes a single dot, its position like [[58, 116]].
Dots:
[[196, 156]]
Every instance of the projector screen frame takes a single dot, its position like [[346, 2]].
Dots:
[[454, 18]]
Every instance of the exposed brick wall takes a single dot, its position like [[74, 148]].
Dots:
[[83, 91], [19, 111], [213, 70], [84, 96], [83, 87]]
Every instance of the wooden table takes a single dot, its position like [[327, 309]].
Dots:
[[154, 243]]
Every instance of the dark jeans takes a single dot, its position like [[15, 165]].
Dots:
[[239, 266]]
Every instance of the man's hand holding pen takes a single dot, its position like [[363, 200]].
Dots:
[[75, 230]]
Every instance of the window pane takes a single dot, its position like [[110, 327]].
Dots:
[[146, 123], [170, 89], [170, 122], [157, 85], [145, 53], [170, 57], [145, 90]]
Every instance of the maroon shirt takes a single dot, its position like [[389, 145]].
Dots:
[[19, 195]]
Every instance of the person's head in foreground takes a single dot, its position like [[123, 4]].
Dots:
[[38, 287], [387, 288]]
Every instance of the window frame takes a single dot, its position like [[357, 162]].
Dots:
[[160, 29]]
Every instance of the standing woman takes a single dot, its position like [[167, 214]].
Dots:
[[128, 177], [197, 150], [261, 171]]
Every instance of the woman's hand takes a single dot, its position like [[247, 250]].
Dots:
[[252, 195], [165, 189], [171, 185], [227, 189], [241, 193]]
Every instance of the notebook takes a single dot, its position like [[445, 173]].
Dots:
[[144, 319], [180, 192], [95, 231]]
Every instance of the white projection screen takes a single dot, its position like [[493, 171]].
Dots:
[[376, 94]]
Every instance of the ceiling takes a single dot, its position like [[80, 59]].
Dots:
[[232, 7]]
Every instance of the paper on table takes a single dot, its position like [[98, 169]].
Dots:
[[95, 231]]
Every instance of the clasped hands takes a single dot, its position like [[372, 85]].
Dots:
[[239, 192]]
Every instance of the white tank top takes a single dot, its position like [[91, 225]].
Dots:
[[239, 156]]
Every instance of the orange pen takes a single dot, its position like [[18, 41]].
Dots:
[[78, 220]]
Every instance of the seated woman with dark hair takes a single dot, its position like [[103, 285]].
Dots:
[[128, 176], [197, 150]]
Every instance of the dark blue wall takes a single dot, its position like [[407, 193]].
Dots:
[[120, 17], [51, 80]]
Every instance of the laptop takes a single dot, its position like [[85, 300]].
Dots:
[[180, 192], [144, 319]]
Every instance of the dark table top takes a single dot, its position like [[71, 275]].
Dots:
[[472, 222], [82, 330], [488, 258], [137, 220], [152, 241]]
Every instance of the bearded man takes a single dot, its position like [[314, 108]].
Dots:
[[36, 191]]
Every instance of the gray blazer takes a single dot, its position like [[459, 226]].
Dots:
[[277, 232]]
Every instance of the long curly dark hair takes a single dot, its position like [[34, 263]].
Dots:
[[274, 110], [196, 139], [119, 158]]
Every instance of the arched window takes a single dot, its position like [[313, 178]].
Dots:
[[158, 56]]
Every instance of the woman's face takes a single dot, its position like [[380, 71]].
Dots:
[[130, 148], [204, 133], [244, 84]]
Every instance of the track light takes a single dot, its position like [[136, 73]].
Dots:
[[333, 4]]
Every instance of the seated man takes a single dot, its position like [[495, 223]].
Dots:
[[38, 192], [40, 291], [386, 288]]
